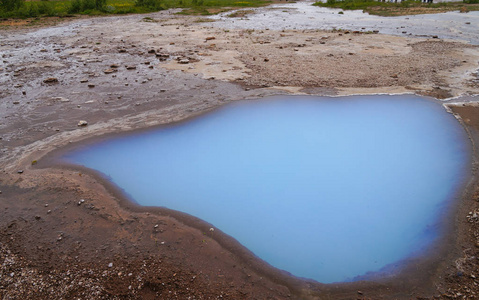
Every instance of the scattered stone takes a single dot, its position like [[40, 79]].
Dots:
[[110, 265], [82, 123], [156, 226], [20, 171], [43, 50], [49, 211], [46, 204], [435, 37], [210, 38], [109, 71], [16, 102], [37, 217], [212, 229], [162, 90], [468, 23], [83, 80], [122, 50], [91, 85], [81, 201], [114, 66], [18, 85], [151, 51], [375, 31], [61, 99], [184, 61], [172, 43], [34, 162], [130, 67], [51, 80]]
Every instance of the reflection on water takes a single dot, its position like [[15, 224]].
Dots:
[[325, 188]]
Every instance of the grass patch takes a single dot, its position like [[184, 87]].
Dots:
[[400, 8], [60, 8]]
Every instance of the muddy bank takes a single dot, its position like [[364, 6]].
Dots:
[[129, 73]]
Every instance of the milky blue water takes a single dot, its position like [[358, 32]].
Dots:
[[325, 188]]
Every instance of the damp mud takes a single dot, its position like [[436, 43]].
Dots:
[[65, 232]]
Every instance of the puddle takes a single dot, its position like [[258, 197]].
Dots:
[[302, 15], [324, 188]]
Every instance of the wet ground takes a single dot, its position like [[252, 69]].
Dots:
[[133, 72], [302, 15]]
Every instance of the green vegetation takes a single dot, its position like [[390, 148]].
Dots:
[[408, 7], [62, 8]]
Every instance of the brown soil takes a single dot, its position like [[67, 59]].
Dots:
[[53, 245]]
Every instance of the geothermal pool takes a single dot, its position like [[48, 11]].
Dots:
[[324, 188]]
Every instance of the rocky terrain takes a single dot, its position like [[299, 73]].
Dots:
[[66, 233]]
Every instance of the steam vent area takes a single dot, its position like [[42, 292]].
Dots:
[[206, 149]]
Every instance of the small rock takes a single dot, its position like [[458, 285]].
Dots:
[[46, 205], [184, 61], [130, 67], [51, 80], [16, 102], [435, 37], [156, 226], [114, 66], [18, 85], [468, 23], [210, 38], [110, 265], [212, 229], [84, 80], [91, 85], [49, 211], [82, 123], [37, 217], [151, 51], [20, 171], [122, 50], [109, 71]]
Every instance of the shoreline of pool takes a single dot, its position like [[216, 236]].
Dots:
[[300, 287]]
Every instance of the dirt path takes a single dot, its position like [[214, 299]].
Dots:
[[133, 72]]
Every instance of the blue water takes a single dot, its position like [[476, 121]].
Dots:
[[325, 188]]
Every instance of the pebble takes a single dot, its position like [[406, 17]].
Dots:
[[212, 229], [51, 80], [84, 80], [91, 85], [110, 265], [20, 171], [82, 123]]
